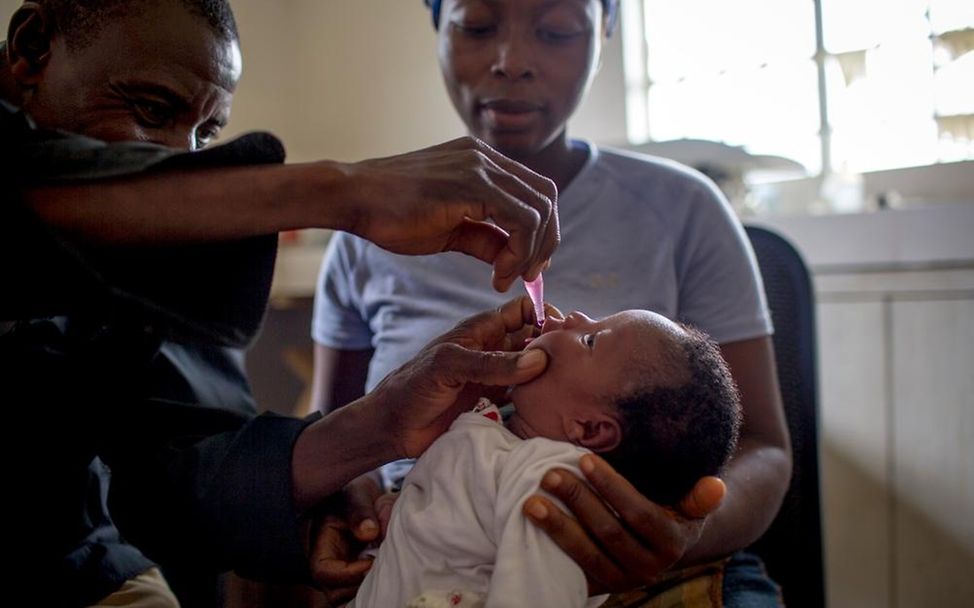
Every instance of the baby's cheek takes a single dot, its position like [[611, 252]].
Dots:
[[531, 395]]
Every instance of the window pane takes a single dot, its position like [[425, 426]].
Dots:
[[851, 25], [691, 37], [883, 100], [883, 118], [954, 87], [897, 86], [947, 15], [768, 110]]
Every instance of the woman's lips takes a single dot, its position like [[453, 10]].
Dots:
[[510, 114]]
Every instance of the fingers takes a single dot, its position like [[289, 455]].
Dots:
[[536, 181], [614, 519], [459, 196], [655, 526], [330, 566], [638, 536], [336, 573], [603, 574], [548, 213], [458, 365], [550, 310], [517, 314], [622, 496], [481, 240], [616, 489], [471, 352], [497, 329], [360, 513], [526, 211]]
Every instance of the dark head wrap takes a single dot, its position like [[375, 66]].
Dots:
[[610, 7]]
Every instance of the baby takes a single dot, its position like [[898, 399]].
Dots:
[[653, 397]]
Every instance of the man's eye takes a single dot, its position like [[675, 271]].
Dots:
[[205, 135], [589, 340], [152, 113]]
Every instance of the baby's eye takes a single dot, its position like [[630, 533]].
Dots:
[[589, 340]]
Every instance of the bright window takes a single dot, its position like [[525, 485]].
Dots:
[[892, 81]]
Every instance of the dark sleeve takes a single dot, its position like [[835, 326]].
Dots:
[[214, 502], [208, 484], [206, 488], [211, 292]]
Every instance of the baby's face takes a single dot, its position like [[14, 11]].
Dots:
[[588, 367]]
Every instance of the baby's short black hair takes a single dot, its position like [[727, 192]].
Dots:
[[81, 20], [610, 10], [675, 434]]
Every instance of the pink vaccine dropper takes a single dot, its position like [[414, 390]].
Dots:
[[535, 290]]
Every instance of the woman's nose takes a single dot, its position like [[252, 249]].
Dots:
[[513, 58]]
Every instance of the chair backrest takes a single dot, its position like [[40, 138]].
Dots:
[[792, 546]]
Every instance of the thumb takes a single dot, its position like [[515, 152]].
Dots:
[[485, 242], [478, 239], [496, 368], [704, 498]]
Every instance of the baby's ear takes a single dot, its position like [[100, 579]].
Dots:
[[602, 433]]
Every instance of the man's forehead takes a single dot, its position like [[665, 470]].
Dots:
[[169, 38]]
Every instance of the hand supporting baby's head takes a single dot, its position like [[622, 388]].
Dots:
[[654, 397], [674, 433]]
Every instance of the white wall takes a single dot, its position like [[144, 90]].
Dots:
[[352, 80]]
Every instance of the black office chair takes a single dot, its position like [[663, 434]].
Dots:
[[792, 547]]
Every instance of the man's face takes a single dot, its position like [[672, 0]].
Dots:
[[589, 364], [517, 69], [158, 74]]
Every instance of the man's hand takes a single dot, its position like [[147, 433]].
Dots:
[[413, 406], [340, 537], [335, 568], [621, 539], [422, 398], [416, 403], [440, 198]]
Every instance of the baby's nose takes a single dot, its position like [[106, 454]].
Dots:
[[575, 319], [551, 324]]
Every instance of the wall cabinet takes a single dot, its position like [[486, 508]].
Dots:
[[896, 372]]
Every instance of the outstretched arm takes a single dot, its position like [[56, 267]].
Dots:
[[428, 201]]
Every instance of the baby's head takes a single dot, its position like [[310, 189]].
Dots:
[[653, 397]]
